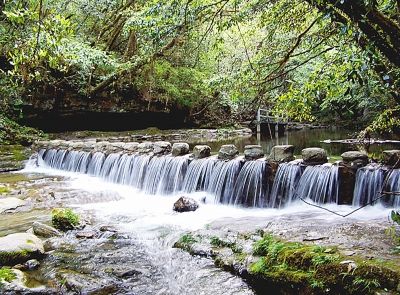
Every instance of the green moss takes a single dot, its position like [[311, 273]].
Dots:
[[217, 242], [320, 267], [10, 258], [6, 275], [12, 178], [12, 132], [64, 219], [4, 190], [185, 242]]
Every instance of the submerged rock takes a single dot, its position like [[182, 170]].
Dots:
[[10, 203], [201, 151], [180, 149], [44, 230], [282, 153], [314, 156], [228, 152], [253, 152], [19, 247], [185, 204]]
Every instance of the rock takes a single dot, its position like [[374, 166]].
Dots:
[[44, 230], [19, 247], [126, 273], [185, 204], [347, 179], [32, 264], [162, 148], [314, 156], [145, 147], [64, 219], [85, 234], [131, 146], [282, 153], [109, 228], [356, 158], [348, 253], [201, 151], [180, 149], [10, 203], [253, 152], [228, 152], [391, 157]]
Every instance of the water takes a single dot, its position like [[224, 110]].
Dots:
[[369, 184]]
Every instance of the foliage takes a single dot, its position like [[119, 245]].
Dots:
[[64, 219], [7, 275], [12, 132], [310, 60]]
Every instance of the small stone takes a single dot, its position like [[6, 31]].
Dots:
[[348, 253], [10, 204], [109, 228], [201, 151], [314, 156], [185, 204], [162, 148], [32, 264], [85, 234], [253, 152], [355, 158], [127, 273], [228, 152], [282, 153], [44, 230], [180, 149]]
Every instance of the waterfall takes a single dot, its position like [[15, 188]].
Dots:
[[392, 185], [285, 183], [319, 183], [369, 182], [251, 187], [198, 175], [223, 179]]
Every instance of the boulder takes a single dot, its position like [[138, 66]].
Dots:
[[391, 157], [19, 247], [131, 146], [162, 148], [201, 151], [10, 203], [180, 149], [355, 158], [253, 152], [44, 230], [282, 153], [314, 156], [145, 147], [185, 204], [228, 152]]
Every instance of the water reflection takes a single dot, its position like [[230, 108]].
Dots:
[[302, 139]]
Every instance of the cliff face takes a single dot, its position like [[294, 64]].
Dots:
[[62, 109]]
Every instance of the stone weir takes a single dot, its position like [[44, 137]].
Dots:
[[251, 180]]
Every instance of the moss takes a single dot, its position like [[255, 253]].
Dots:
[[217, 242], [4, 190], [320, 267], [64, 219], [12, 132], [12, 178], [10, 258], [185, 242], [6, 275]]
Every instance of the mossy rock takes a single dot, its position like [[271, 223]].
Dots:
[[20, 247], [64, 219]]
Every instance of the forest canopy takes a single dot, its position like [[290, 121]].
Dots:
[[325, 60]]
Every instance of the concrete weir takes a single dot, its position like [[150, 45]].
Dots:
[[251, 180]]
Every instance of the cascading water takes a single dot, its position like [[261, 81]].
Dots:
[[369, 182], [251, 187], [319, 183], [285, 183], [223, 179], [393, 185], [198, 175]]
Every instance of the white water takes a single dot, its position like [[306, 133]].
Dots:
[[153, 225]]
